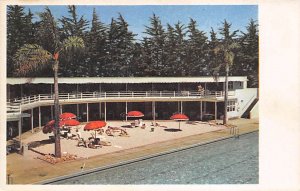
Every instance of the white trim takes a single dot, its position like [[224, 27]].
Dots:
[[122, 80]]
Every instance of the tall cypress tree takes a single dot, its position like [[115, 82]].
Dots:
[[155, 46], [247, 57], [181, 66], [17, 36], [120, 48], [197, 50], [96, 42], [170, 46]]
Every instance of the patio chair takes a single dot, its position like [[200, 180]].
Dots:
[[94, 143], [82, 142]]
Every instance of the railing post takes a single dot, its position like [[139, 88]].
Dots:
[[160, 93], [68, 96], [146, 94], [174, 94], [39, 97], [105, 94], [81, 95], [131, 94]]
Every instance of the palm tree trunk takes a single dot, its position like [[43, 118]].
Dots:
[[56, 113], [226, 95]]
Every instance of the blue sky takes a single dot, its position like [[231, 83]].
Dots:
[[138, 16]]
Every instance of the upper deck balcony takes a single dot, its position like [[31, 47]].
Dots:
[[33, 101]]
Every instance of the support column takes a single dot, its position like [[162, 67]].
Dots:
[[31, 120], [216, 110], [77, 110], [104, 111], [20, 130], [87, 112], [153, 110], [201, 110], [99, 110], [126, 109], [40, 120], [178, 106], [60, 109], [181, 107]]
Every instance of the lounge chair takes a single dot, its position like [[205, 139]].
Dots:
[[110, 131], [82, 142]]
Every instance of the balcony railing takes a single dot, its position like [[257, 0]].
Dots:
[[121, 94]]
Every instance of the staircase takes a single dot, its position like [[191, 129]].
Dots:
[[246, 114]]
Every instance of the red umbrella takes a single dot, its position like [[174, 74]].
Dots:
[[94, 125], [179, 117], [135, 114], [65, 116], [48, 128], [70, 122], [52, 122]]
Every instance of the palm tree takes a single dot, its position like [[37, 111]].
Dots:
[[226, 49], [32, 57]]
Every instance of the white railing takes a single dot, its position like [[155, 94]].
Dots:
[[115, 94], [13, 108]]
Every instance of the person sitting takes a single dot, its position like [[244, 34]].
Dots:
[[78, 134], [136, 123], [70, 135], [143, 126]]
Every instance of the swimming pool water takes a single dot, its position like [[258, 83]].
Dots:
[[231, 161]]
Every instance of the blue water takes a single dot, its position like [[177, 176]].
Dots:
[[231, 161]]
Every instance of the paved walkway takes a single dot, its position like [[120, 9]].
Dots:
[[25, 171]]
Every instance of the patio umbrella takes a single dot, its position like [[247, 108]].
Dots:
[[70, 122], [66, 115], [94, 125], [179, 117], [48, 128], [135, 114]]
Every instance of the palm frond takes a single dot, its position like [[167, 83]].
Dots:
[[73, 42], [30, 58]]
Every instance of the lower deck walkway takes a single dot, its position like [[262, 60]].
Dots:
[[37, 171]]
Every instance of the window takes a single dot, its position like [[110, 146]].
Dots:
[[231, 105]]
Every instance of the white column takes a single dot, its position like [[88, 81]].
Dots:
[[20, 130], [180, 106], [60, 109], [216, 109], [126, 110], [77, 110], [87, 112], [104, 111], [201, 110], [99, 110], [31, 120], [40, 120]]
